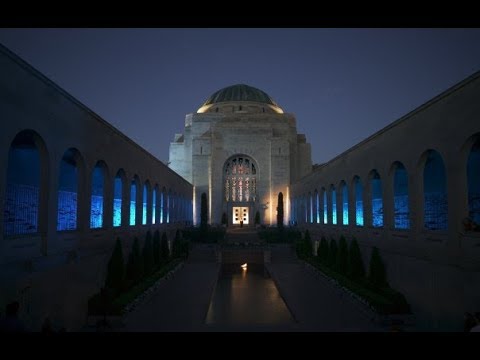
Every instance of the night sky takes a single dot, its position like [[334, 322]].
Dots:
[[342, 84]]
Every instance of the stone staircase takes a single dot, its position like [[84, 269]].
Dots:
[[242, 235]]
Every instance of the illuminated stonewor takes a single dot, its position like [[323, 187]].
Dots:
[[241, 149]]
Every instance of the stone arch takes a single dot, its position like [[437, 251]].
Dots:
[[401, 209], [435, 202], [99, 178], [72, 168], [134, 184], [26, 185], [325, 205], [146, 188], [240, 177], [333, 203], [376, 198], [472, 146], [155, 205], [118, 189], [344, 192], [358, 200]]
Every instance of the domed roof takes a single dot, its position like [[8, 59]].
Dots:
[[240, 92]]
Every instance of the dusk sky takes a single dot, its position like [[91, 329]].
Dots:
[[342, 84]]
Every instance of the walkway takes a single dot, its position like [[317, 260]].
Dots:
[[181, 304]]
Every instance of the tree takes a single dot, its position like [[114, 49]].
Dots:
[[135, 263], [224, 218], [156, 248], [204, 213], [164, 251], [342, 256], [280, 211], [177, 244], [148, 254], [332, 253], [377, 276], [355, 270], [323, 253], [115, 269], [257, 218]]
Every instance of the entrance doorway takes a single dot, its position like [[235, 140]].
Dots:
[[240, 214]]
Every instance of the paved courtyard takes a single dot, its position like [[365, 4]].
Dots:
[[181, 303]]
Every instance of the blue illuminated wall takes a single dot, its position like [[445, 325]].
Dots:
[[473, 175], [154, 205], [144, 204], [435, 194], [117, 201], [311, 207], [168, 208], [162, 197], [400, 198], [345, 204], [22, 193], [96, 206], [334, 205], [377, 201], [317, 207], [358, 202], [133, 194], [325, 207], [67, 192]]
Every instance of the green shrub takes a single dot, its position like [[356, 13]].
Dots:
[[156, 248], [148, 254], [164, 251], [342, 256], [224, 218], [323, 251], [356, 269], [115, 269], [135, 263], [377, 276], [332, 253], [257, 218]]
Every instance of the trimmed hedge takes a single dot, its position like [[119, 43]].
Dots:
[[374, 290]]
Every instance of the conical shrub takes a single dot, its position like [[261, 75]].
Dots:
[[356, 269], [115, 269]]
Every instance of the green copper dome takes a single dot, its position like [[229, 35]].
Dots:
[[240, 92]]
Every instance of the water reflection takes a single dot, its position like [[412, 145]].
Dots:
[[246, 296]]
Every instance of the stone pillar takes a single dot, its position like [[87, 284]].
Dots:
[[84, 198], [48, 202], [388, 203]]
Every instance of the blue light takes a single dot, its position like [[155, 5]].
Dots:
[[144, 205], [168, 209], [325, 207], [154, 205], [402, 220], [96, 208], [377, 201], [435, 195], [96, 212], [117, 201], [311, 209], [161, 208], [317, 199], [20, 214], [67, 192], [133, 194], [400, 198], [334, 207], [358, 202], [345, 204]]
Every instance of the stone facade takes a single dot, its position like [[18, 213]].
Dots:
[[431, 250], [52, 270], [238, 128]]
